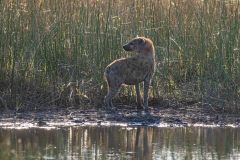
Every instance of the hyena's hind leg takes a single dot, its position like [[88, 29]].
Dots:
[[108, 98], [113, 87]]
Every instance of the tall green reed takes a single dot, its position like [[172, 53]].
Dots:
[[50, 43]]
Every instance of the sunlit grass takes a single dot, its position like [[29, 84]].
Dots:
[[46, 44]]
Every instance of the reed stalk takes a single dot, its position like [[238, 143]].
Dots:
[[45, 44]]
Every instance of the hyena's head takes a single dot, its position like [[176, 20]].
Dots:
[[139, 44]]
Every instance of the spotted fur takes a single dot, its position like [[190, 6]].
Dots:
[[132, 70]]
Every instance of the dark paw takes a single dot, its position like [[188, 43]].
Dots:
[[139, 106], [146, 111], [111, 110]]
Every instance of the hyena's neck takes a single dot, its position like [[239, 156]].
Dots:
[[150, 52]]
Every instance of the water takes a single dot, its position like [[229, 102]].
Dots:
[[120, 143]]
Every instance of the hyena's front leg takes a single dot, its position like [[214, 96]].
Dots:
[[146, 88], [138, 96]]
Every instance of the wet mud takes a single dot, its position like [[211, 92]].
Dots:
[[159, 116]]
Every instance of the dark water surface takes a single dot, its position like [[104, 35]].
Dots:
[[120, 143]]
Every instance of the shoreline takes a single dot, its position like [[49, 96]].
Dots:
[[126, 116]]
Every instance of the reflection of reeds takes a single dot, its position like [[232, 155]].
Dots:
[[120, 143], [45, 44]]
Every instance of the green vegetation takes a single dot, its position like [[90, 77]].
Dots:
[[45, 44]]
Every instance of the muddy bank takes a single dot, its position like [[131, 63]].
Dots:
[[122, 115]]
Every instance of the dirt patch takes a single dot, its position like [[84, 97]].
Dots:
[[163, 115]]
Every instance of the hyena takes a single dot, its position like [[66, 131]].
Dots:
[[132, 70]]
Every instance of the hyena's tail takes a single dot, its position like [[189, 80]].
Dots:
[[106, 76]]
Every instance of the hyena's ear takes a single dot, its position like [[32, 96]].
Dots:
[[141, 41]]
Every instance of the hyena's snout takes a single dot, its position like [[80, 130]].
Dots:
[[127, 47]]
